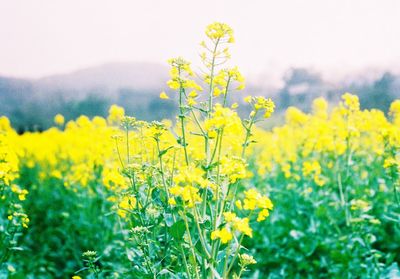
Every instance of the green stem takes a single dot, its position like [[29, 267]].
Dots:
[[210, 98], [119, 154], [248, 133], [183, 254], [166, 193], [202, 241], [240, 273], [198, 123], [127, 145], [182, 118], [226, 92], [343, 200], [236, 254], [210, 102], [194, 260], [162, 168], [184, 261], [226, 261]]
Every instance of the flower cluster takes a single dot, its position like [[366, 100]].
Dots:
[[260, 103], [255, 201]]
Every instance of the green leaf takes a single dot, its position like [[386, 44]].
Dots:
[[177, 230], [162, 152]]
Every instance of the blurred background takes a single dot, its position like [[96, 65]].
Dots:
[[79, 57]]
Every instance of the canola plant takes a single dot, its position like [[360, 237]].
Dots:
[[189, 198]]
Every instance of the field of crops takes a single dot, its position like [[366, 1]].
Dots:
[[209, 194]]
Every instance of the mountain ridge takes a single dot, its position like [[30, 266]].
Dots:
[[104, 79], [111, 76]]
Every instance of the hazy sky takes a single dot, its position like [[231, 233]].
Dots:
[[338, 37]]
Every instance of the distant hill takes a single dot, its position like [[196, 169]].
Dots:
[[12, 91], [106, 79], [32, 103]]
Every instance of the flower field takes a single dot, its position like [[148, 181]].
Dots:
[[209, 194]]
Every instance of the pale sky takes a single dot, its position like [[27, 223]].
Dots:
[[338, 37]]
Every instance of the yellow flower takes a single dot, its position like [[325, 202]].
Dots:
[[22, 195], [389, 162], [242, 225], [59, 119], [229, 216], [115, 114], [233, 168], [173, 84], [113, 179], [164, 95], [219, 31], [193, 94], [241, 86], [176, 190], [216, 92], [311, 168], [254, 200], [126, 205], [319, 107], [249, 204], [295, 116], [171, 201], [248, 99], [191, 101], [351, 101], [224, 234], [262, 215], [395, 107]]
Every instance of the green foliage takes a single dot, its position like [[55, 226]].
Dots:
[[307, 235], [65, 223]]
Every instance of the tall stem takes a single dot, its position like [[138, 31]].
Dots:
[[182, 118], [210, 98], [127, 145], [248, 134], [200, 231], [190, 242]]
